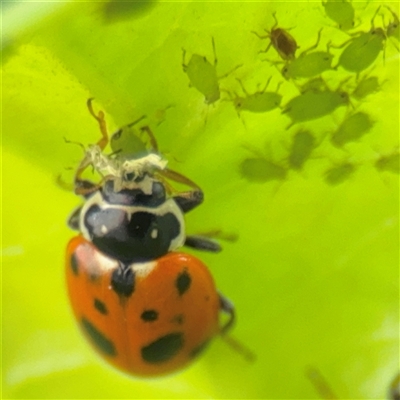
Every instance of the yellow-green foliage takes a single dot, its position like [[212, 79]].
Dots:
[[314, 272]]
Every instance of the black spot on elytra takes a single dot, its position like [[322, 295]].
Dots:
[[178, 319], [74, 264], [103, 344], [183, 282], [163, 349], [149, 315], [199, 349], [100, 307], [123, 280]]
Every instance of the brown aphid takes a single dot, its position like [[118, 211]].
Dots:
[[281, 40]]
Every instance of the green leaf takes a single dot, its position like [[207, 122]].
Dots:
[[314, 272]]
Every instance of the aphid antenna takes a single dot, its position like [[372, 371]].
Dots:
[[134, 122], [320, 384], [230, 72], [314, 46], [254, 150], [276, 23]]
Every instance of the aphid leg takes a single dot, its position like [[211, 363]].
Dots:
[[320, 384], [263, 37], [84, 187], [77, 143], [150, 134], [198, 242], [184, 66], [73, 220], [102, 143], [227, 307], [215, 52], [373, 18], [242, 86], [63, 184]]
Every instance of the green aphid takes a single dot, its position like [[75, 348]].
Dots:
[[314, 104], [341, 12], [392, 30], [363, 49], [301, 148], [203, 75], [315, 84], [258, 102], [308, 65], [366, 87], [259, 169], [352, 129], [127, 141], [394, 390], [338, 174], [389, 163]]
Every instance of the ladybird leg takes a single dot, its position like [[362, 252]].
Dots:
[[73, 220], [84, 187], [228, 307], [202, 243], [320, 384], [189, 200], [220, 234], [177, 177]]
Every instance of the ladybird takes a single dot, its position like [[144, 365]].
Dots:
[[145, 318], [131, 214]]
